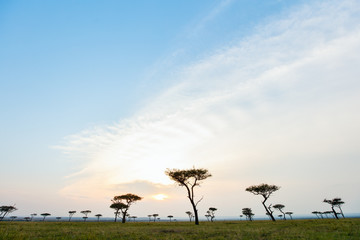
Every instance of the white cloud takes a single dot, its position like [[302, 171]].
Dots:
[[280, 107]]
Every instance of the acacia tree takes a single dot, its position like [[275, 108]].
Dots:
[[117, 206], [155, 215], [71, 213], [280, 208], [98, 216], [248, 213], [336, 202], [45, 215], [4, 210], [264, 190], [85, 212], [190, 214], [170, 216], [124, 202], [189, 178], [289, 213], [32, 216], [211, 213]]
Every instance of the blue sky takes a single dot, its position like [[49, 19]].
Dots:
[[94, 94]]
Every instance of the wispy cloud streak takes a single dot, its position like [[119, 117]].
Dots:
[[285, 97]]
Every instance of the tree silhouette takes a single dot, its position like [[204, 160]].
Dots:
[[98, 216], [71, 213], [155, 215], [190, 214], [123, 203], [85, 212], [264, 190], [289, 213], [4, 210], [132, 217], [45, 215], [27, 219], [211, 213], [248, 213], [280, 208], [32, 216], [149, 216], [117, 206], [13, 218], [189, 178], [170, 216], [336, 202], [58, 218]]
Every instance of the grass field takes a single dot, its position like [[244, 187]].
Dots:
[[295, 229]]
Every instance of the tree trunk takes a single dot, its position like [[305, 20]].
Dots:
[[123, 218], [195, 212], [267, 210], [342, 214], [335, 214]]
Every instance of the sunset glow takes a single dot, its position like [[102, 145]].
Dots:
[[160, 197]]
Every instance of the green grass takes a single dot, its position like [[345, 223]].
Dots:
[[296, 229]]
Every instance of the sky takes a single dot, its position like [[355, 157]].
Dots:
[[99, 98]]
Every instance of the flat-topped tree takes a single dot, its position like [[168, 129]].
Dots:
[[280, 207], [289, 213], [71, 213], [264, 190], [123, 203], [32, 216], [170, 216], [45, 215], [190, 214], [211, 213], [98, 216], [336, 202], [155, 215], [248, 213], [85, 212], [189, 178]]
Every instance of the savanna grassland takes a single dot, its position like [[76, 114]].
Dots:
[[295, 229]]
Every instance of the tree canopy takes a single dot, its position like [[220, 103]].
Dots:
[[264, 190], [122, 204], [4, 210], [335, 202], [189, 178]]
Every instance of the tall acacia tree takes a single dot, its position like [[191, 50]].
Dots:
[[123, 202], [264, 190], [189, 178]]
